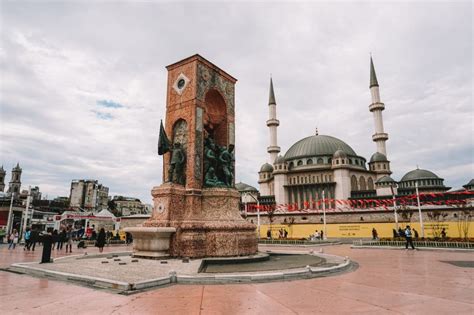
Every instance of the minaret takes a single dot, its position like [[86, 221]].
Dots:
[[272, 123], [15, 183], [2, 179], [379, 137]]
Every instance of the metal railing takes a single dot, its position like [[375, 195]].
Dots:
[[293, 242], [430, 244]]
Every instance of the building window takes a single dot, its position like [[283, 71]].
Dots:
[[354, 186], [300, 163], [309, 162], [350, 161], [337, 161], [385, 166], [362, 184], [320, 161], [370, 183], [290, 166], [330, 160]]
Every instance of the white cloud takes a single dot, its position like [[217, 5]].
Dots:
[[58, 60]]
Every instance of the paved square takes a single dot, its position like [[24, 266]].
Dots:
[[386, 282]]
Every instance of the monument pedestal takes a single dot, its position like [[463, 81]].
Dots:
[[207, 222]]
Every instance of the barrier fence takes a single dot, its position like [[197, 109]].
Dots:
[[460, 198], [428, 244]]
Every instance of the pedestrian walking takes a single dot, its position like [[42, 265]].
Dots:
[[13, 239], [443, 234], [54, 238], [322, 234], [27, 237], [68, 238], [375, 235], [408, 238], [100, 240], [61, 239], [34, 238], [415, 232]]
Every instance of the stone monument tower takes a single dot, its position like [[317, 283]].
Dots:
[[197, 198]]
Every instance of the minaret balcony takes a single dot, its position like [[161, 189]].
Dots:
[[273, 149], [273, 122], [380, 136], [376, 106]]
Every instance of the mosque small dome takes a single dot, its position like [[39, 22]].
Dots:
[[339, 154], [419, 174], [266, 168], [280, 159], [242, 187], [378, 157], [317, 145], [385, 179]]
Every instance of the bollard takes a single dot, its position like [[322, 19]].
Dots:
[[173, 276]]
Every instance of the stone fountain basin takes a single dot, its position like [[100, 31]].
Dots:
[[151, 242]]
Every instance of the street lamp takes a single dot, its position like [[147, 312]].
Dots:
[[258, 211]]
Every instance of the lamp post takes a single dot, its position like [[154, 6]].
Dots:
[[258, 211], [10, 217], [419, 211], [324, 217], [395, 207], [25, 214]]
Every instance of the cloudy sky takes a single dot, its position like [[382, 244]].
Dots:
[[83, 83]]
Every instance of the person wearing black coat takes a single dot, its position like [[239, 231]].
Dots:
[[101, 240]]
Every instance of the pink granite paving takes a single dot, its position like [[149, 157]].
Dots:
[[387, 282]]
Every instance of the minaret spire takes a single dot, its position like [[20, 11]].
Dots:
[[271, 98], [379, 137], [273, 149], [373, 76]]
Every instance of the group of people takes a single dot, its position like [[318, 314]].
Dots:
[[317, 236], [282, 233]]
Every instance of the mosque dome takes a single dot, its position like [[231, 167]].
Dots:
[[318, 145], [266, 168], [378, 157], [339, 154], [242, 187], [419, 174]]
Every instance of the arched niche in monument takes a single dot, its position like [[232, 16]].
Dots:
[[180, 133], [215, 117]]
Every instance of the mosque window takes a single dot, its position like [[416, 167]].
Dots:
[[330, 160], [350, 161], [337, 161], [362, 183], [317, 179], [300, 163], [378, 166], [354, 186], [314, 180], [370, 183], [309, 162], [320, 161], [385, 166], [290, 166]]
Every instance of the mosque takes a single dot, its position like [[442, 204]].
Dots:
[[322, 166]]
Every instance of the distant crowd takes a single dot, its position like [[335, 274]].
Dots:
[[66, 235]]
